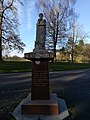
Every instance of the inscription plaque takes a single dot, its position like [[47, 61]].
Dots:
[[40, 81]]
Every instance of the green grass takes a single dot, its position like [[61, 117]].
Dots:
[[68, 66], [12, 66]]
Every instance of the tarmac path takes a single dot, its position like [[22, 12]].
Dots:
[[73, 86]]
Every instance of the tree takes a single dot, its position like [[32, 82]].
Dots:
[[62, 55], [76, 38], [79, 49], [86, 52], [9, 34], [57, 13]]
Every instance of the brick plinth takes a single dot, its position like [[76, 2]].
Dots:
[[40, 81], [41, 107]]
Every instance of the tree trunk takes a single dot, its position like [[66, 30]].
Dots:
[[0, 51], [0, 39], [72, 56], [54, 51], [1, 22]]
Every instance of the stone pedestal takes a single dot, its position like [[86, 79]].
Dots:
[[42, 102]]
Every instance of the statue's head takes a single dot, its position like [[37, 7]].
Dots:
[[41, 16]]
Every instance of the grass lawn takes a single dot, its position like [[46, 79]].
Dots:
[[67, 66], [12, 66]]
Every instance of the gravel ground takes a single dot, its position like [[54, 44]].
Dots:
[[73, 86]]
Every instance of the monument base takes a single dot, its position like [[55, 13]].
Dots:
[[62, 109], [40, 107]]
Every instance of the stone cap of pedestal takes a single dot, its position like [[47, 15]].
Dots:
[[39, 55]]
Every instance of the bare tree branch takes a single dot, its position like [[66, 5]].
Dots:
[[9, 35]]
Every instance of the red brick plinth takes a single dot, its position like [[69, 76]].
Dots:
[[41, 107]]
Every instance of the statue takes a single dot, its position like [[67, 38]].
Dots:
[[40, 33]]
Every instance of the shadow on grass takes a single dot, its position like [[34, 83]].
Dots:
[[76, 92]]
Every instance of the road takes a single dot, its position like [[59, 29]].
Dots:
[[73, 86]]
